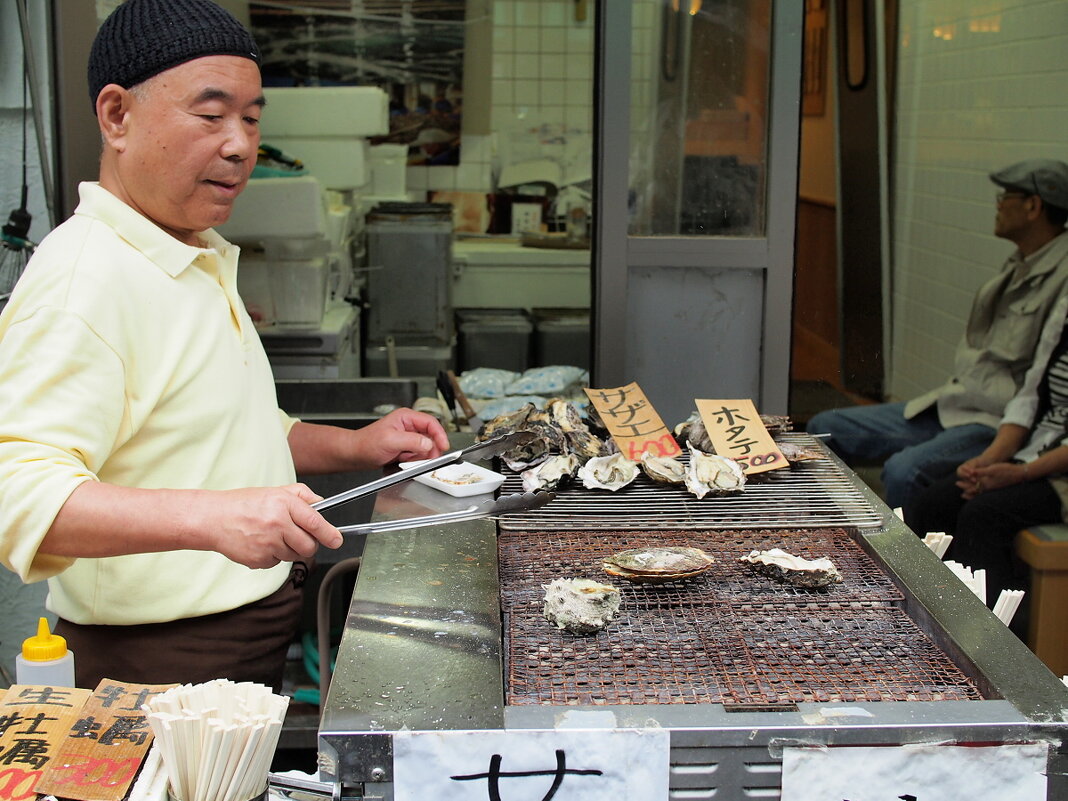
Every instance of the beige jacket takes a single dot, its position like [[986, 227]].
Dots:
[[999, 342]]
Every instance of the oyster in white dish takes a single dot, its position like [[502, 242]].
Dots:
[[655, 565], [663, 469], [608, 472], [551, 472], [710, 473], [789, 569], [579, 605]]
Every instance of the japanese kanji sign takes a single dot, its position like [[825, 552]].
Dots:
[[738, 433], [33, 724], [72, 743], [633, 422]]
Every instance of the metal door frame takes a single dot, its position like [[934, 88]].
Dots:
[[615, 251]]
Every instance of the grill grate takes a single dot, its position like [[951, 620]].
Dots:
[[729, 636], [813, 494]]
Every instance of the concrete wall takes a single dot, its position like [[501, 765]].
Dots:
[[980, 85]]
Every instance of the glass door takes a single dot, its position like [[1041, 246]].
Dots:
[[698, 115]]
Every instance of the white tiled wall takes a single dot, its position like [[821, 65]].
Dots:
[[542, 76], [980, 85]]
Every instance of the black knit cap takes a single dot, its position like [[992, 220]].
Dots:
[[143, 38]]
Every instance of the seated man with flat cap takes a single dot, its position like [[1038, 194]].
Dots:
[[929, 436], [146, 470]]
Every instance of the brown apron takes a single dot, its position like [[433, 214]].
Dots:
[[244, 644]]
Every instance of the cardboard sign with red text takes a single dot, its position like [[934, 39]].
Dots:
[[633, 422], [737, 432], [103, 746]]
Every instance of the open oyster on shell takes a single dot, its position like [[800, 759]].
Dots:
[[663, 469], [789, 569], [656, 565], [550, 473], [579, 605], [608, 472], [710, 473]]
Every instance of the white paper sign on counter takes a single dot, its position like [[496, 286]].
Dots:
[[531, 765], [916, 772]]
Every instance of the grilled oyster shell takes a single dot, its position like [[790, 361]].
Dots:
[[789, 569], [663, 469], [710, 473], [551, 473], [579, 605], [608, 472], [656, 565]]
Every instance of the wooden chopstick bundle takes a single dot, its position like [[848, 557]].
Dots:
[[1007, 604], [216, 740]]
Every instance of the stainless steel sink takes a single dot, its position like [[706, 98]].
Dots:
[[350, 403]]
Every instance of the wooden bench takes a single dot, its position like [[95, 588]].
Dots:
[[1045, 550]]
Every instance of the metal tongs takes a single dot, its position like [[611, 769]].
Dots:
[[478, 451], [518, 502]]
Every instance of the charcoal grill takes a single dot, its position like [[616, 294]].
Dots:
[[444, 633]]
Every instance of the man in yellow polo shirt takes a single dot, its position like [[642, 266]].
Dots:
[[145, 468]]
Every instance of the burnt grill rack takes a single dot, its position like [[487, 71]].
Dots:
[[811, 494], [729, 636]]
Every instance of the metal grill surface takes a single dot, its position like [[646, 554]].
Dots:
[[812, 494], [729, 636]]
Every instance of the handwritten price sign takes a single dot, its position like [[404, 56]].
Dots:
[[72, 743], [633, 422], [738, 433], [33, 723]]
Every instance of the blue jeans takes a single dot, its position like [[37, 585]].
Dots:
[[915, 453]]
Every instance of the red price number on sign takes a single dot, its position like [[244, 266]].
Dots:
[[17, 784], [664, 445], [87, 771]]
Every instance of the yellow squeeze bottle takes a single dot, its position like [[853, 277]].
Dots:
[[45, 659]]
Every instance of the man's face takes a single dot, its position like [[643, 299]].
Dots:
[[1013, 208], [190, 143]]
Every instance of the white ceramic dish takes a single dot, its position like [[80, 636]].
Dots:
[[459, 480]]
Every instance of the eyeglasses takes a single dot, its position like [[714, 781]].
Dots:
[[1000, 197]]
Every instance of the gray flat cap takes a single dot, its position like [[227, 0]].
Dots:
[[1046, 178]]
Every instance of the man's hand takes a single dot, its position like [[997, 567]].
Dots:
[[402, 435], [261, 527]]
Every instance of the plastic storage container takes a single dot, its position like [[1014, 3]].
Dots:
[[498, 338], [562, 337], [45, 659], [290, 292]]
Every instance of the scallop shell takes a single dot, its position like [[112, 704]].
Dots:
[[709, 473], [608, 472]]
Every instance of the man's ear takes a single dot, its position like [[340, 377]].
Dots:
[[112, 108], [1035, 211]]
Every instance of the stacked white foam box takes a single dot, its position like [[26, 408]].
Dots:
[[326, 127], [282, 226]]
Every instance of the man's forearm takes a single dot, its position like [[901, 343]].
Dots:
[[100, 520]]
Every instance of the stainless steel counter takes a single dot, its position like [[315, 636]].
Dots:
[[422, 650]]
